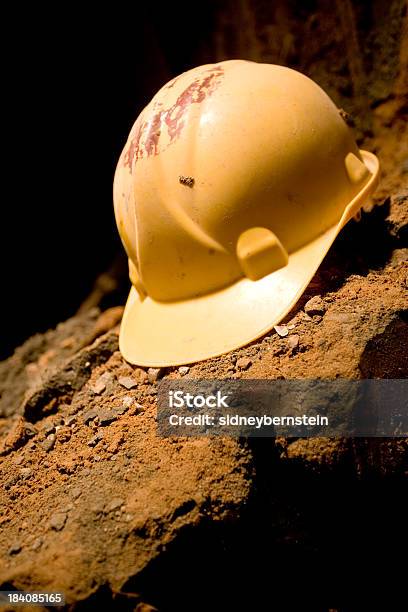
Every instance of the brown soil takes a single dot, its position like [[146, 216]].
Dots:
[[93, 503]]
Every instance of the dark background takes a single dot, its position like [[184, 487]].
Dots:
[[75, 82]]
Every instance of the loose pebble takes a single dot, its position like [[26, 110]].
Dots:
[[75, 492], [315, 306], [15, 548], [243, 363], [128, 382], [293, 341], [116, 503], [58, 520], [29, 430], [95, 439], [107, 416], [89, 415], [49, 443], [281, 330], [140, 375], [37, 544], [154, 374], [183, 370], [99, 387], [26, 473]]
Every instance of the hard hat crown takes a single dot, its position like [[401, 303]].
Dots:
[[234, 182], [221, 150]]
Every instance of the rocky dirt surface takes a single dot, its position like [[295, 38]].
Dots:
[[95, 504]]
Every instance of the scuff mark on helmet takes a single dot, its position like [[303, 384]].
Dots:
[[145, 139]]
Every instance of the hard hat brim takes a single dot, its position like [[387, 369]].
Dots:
[[174, 333]]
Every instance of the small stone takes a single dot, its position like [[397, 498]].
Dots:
[[89, 415], [99, 387], [183, 370], [102, 382], [37, 544], [140, 375], [67, 508], [107, 416], [115, 504], [30, 430], [127, 401], [15, 548], [119, 410], [243, 363], [136, 408], [49, 443], [127, 382], [69, 421], [26, 473], [281, 330], [11, 482], [97, 507], [154, 374], [293, 341], [315, 306], [75, 492], [95, 439], [58, 521]]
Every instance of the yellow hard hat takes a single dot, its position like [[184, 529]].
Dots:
[[234, 182]]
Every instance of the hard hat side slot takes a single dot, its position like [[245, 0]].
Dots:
[[260, 253]]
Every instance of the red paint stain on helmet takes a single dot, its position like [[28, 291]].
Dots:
[[144, 141]]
